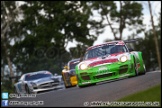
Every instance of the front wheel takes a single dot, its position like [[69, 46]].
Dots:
[[135, 68], [67, 86], [83, 86], [87, 85], [15, 90], [27, 89]]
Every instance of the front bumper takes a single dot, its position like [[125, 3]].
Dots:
[[112, 71], [46, 86]]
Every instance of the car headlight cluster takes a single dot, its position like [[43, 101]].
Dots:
[[33, 84], [123, 58], [83, 66]]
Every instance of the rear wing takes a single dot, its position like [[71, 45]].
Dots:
[[132, 40]]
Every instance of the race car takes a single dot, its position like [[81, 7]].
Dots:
[[34, 82], [109, 61], [68, 73]]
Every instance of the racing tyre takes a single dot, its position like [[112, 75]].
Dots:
[[27, 89], [67, 86], [135, 67], [87, 85], [81, 86], [144, 72], [15, 91]]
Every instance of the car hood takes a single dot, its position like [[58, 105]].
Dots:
[[103, 60]]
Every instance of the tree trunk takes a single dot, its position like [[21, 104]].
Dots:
[[9, 62], [112, 29], [121, 21], [4, 28], [155, 37]]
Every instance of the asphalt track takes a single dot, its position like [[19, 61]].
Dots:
[[107, 91]]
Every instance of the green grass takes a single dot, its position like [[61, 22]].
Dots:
[[149, 96]]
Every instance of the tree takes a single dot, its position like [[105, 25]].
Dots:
[[155, 37], [44, 21], [8, 17], [128, 16], [147, 47]]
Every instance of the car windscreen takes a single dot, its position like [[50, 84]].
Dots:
[[103, 50], [30, 77]]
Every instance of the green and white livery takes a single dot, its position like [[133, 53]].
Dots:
[[108, 61]]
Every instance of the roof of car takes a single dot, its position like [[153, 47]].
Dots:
[[110, 42], [43, 71]]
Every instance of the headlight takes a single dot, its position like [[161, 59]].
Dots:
[[83, 66], [123, 58], [33, 84]]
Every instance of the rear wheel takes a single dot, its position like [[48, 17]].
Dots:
[[144, 71]]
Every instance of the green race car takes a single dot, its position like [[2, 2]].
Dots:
[[108, 61]]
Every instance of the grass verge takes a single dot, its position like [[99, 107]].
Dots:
[[150, 97]]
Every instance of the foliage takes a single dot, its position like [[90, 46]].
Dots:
[[7, 86], [42, 22], [129, 15], [147, 46]]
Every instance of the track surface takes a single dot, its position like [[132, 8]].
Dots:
[[104, 91]]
